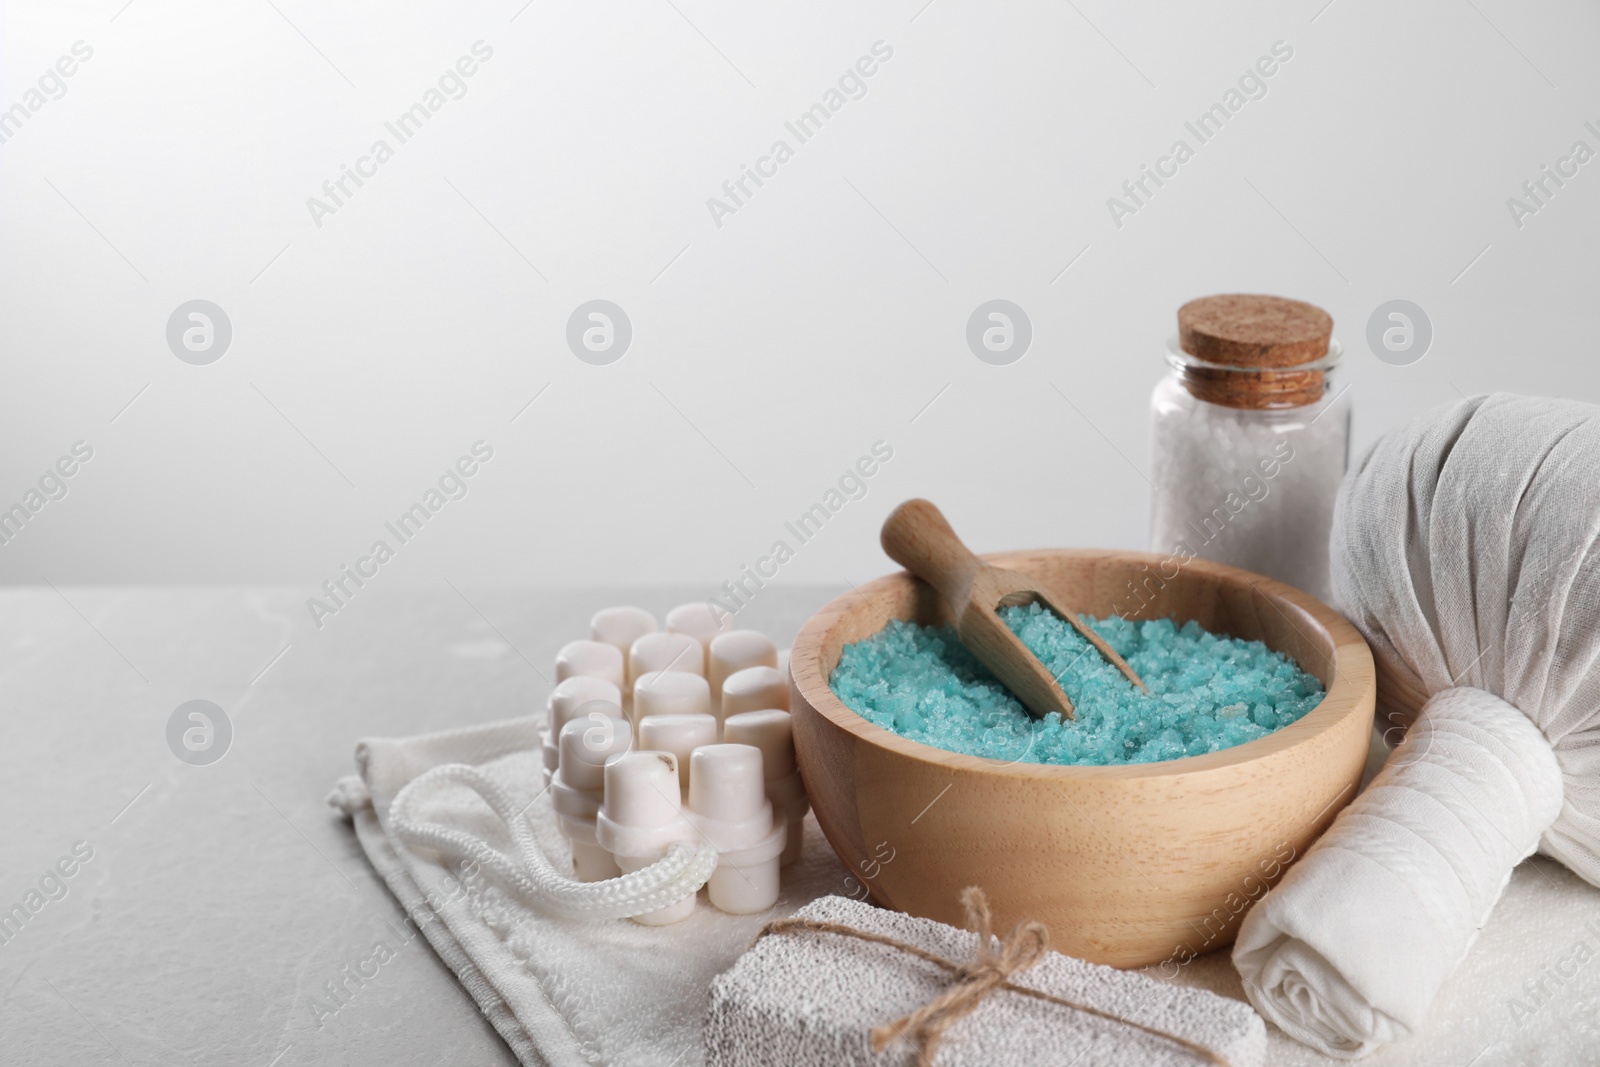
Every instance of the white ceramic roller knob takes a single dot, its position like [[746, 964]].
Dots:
[[670, 693], [566, 711], [700, 621], [679, 735], [666, 652], [783, 662], [729, 807], [754, 689], [564, 700], [769, 730], [772, 732], [591, 711], [621, 627], [734, 651], [570, 694], [641, 796], [593, 736], [726, 785], [591, 862], [641, 818], [578, 787], [593, 659]]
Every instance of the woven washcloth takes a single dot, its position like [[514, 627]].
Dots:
[[560, 992], [805, 997]]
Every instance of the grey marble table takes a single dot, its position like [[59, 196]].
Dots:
[[210, 907]]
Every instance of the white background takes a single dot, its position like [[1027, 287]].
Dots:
[[769, 353]]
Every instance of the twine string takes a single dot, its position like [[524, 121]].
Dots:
[[990, 968]]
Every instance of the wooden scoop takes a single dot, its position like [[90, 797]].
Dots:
[[917, 537]]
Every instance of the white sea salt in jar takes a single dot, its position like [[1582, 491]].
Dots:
[[1249, 440]]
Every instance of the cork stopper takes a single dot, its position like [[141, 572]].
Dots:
[[1258, 335]]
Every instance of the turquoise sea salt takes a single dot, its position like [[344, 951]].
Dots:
[[1206, 691]]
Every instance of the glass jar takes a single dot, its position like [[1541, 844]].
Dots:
[[1246, 462]]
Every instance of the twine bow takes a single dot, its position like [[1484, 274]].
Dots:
[[990, 968]]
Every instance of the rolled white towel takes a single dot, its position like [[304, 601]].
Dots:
[[1349, 950]]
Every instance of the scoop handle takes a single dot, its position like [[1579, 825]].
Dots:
[[917, 536]]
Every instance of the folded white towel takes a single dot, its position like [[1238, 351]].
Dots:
[[1350, 949]]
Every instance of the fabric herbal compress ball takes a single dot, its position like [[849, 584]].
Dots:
[[1466, 547]]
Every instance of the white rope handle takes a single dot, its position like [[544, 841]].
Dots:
[[528, 874]]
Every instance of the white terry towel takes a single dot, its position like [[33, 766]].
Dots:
[[1466, 547], [560, 992]]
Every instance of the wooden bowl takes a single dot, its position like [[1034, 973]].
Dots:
[[1127, 865]]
